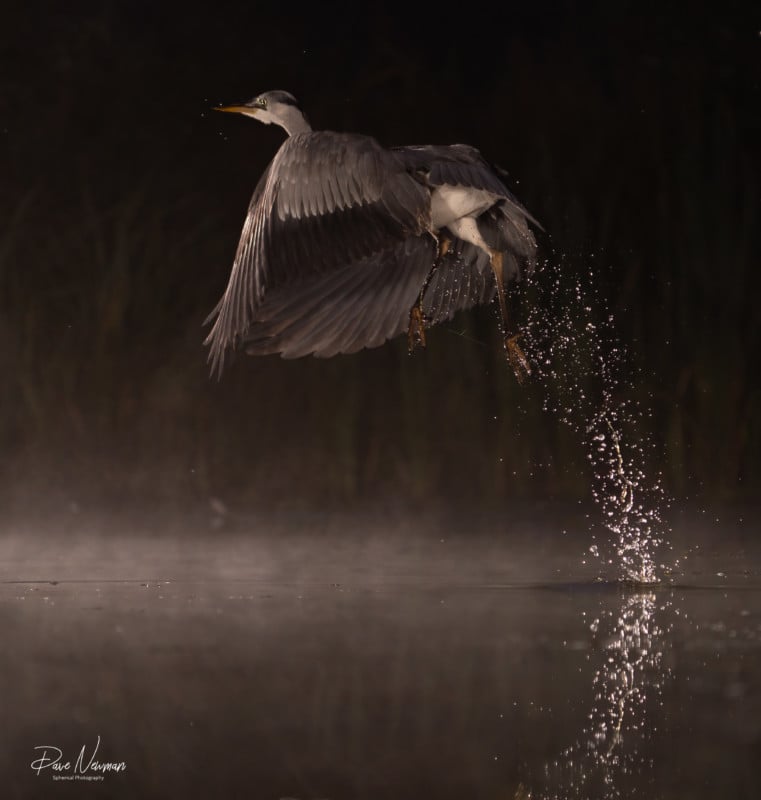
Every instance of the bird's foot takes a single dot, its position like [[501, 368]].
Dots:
[[517, 358], [416, 330], [445, 243]]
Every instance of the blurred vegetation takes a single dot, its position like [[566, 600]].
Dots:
[[633, 140]]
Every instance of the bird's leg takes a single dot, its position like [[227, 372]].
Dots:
[[515, 355], [444, 244], [416, 330]]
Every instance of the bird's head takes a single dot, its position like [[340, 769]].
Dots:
[[276, 106]]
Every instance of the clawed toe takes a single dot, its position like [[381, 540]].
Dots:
[[416, 330], [517, 358]]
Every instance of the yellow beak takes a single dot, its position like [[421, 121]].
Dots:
[[237, 109]]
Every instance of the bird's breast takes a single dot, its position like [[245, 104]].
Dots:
[[450, 203]]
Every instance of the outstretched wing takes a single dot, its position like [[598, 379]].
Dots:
[[329, 203], [362, 304]]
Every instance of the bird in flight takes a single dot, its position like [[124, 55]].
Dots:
[[348, 244]]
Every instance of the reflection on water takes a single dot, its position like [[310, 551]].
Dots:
[[585, 379], [629, 676], [373, 682], [627, 685]]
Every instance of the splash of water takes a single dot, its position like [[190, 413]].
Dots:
[[587, 381], [585, 375]]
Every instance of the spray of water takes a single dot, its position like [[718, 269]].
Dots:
[[586, 381]]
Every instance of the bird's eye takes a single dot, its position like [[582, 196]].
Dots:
[[263, 102]]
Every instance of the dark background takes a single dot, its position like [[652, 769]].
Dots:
[[630, 130]]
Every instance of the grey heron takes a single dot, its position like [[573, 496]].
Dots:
[[347, 244]]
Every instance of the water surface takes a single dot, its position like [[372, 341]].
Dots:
[[315, 658]]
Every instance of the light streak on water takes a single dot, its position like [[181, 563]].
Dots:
[[607, 760]]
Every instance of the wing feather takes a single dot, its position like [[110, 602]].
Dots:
[[327, 200], [462, 280], [361, 305], [335, 247]]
